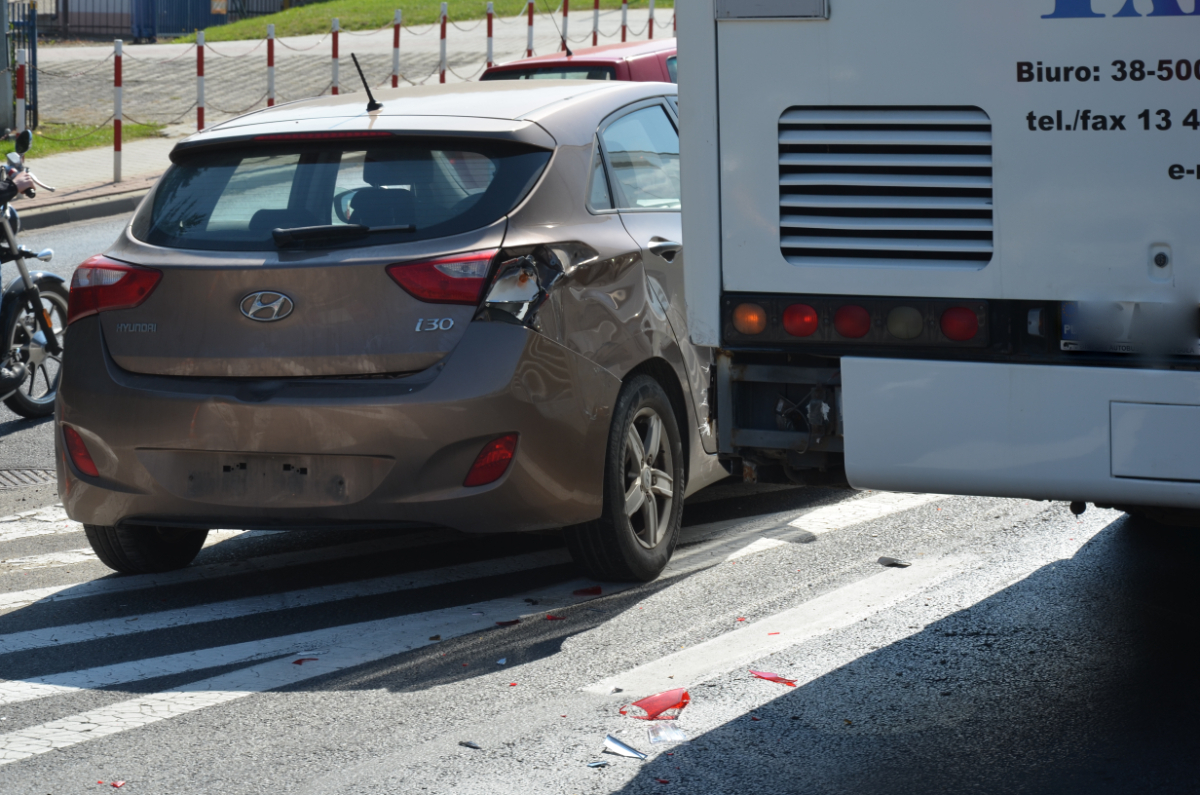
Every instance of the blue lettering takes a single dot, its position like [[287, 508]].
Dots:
[[1170, 8], [1077, 9]]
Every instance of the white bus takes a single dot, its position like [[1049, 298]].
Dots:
[[949, 245]]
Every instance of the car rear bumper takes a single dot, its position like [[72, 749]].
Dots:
[[229, 452], [1090, 434]]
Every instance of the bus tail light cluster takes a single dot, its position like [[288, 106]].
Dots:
[[899, 322]]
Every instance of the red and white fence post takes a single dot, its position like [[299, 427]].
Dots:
[[624, 19], [118, 111], [21, 90], [270, 66], [595, 23], [490, 11], [442, 60], [199, 80], [674, 21], [529, 31], [396, 50], [566, 6], [335, 57], [650, 22]]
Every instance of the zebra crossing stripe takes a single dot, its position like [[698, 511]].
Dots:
[[211, 571], [270, 603], [867, 509], [335, 650]]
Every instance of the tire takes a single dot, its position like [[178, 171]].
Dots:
[[145, 550], [35, 398], [625, 543]]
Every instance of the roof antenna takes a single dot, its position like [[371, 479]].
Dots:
[[563, 38], [372, 105]]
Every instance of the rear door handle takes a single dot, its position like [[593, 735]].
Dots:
[[664, 248]]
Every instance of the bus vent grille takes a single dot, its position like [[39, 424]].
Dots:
[[886, 186]]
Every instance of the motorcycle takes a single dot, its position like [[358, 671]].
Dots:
[[33, 313]]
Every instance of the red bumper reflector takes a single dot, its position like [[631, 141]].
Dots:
[[446, 280], [960, 324], [101, 284], [492, 461], [78, 452], [852, 321], [800, 320]]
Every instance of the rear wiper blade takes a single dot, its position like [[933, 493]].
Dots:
[[331, 233]]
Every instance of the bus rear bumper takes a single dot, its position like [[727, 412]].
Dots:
[[1090, 434]]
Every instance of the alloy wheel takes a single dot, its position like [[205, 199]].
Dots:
[[649, 488]]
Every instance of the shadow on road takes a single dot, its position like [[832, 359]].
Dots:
[[1078, 678]]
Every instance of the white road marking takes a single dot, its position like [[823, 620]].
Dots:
[[42, 522], [269, 603], [759, 545], [210, 571], [334, 649], [867, 509], [824, 614], [51, 560]]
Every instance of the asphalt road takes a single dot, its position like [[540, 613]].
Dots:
[[1023, 650]]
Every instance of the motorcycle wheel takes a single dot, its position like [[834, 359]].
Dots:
[[34, 399]]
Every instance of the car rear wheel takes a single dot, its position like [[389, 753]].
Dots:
[[643, 490], [145, 550]]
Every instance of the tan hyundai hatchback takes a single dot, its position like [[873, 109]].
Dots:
[[463, 308]]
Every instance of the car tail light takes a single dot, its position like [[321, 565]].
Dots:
[[852, 321], [960, 324], [492, 461], [78, 452], [749, 319], [459, 279], [101, 284], [905, 323], [800, 320]]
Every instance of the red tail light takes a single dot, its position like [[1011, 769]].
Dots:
[[78, 452], [852, 321], [800, 320], [960, 324], [101, 284], [447, 280], [492, 461]]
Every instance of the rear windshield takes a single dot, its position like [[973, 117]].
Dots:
[[231, 200], [555, 73]]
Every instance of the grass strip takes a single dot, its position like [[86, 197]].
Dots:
[[53, 139], [373, 14]]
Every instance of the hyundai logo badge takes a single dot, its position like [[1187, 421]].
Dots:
[[266, 306]]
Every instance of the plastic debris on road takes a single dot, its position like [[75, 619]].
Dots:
[[303, 660], [502, 661], [512, 623], [469, 744], [663, 780], [663, 706], [595, 590], [550, 617], [118, 784], [666, 733], [770, 677], [895, 563], [614, 746], [599, 764]]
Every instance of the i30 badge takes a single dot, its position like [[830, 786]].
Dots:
[[266, 306]]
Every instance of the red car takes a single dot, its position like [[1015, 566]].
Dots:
[[643, 61]]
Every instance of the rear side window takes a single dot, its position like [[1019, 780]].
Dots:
[[231, 200], [673, 68], [643, 160], [555, 73]]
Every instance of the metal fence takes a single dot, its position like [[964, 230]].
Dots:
[[144, 20], [22, 22]]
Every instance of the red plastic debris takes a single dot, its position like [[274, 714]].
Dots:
[[555, 618], [118, 784], [772, 633], [512, 684], [753, 718], [664, 706], [770, 677], [303, 660], [741, 619], [512, 623], [593, 591], [662, 781]]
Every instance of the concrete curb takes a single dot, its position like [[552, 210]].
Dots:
[[83, 204]]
